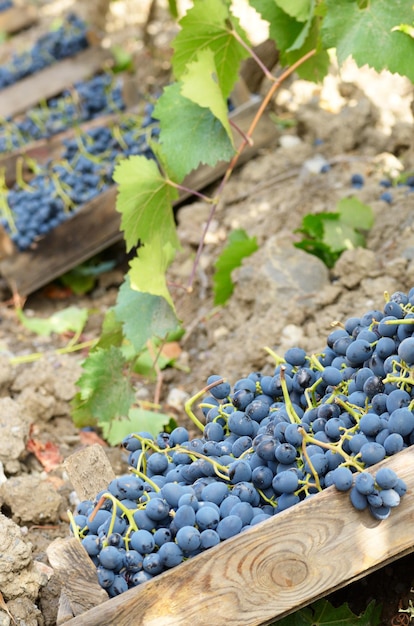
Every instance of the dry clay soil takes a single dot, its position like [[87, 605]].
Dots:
[[357, 123]]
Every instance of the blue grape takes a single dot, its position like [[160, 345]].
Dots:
[[364, 483], [386, 478], [229, 527], [188, 538], [342, 478], [221, 390], [372, 453]]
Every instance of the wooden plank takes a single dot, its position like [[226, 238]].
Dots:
[[51, 81], [96, 226], [76, 574], [17, 18], [274, 568], [89, 471]]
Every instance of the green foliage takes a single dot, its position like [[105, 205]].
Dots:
[[82, 279], [195, 129], [202, 139], [322, 613], [210, 26], [138, 419], [123, 60], [144, 201], [238, 247], [368, 34], [106, 393], [327, 235], [143, 316], [71, 319]]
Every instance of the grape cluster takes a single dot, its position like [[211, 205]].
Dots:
[[266, 444], [87, 100], [84, 171], [5, 4], [66, 41]]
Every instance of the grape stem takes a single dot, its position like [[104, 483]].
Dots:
[[188, 406]]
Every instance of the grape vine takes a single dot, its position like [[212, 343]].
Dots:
[[207, 56]]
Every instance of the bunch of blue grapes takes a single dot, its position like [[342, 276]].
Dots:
[[101, 95], [65, 41], [5, 4], [84, 171], [266, 444]]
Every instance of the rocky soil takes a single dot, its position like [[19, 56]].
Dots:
[[356, 123]]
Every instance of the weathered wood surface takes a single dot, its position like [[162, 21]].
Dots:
[[273, 569], [89, 471], [51, 81], [96, 226], [76, 574], [17, 18]]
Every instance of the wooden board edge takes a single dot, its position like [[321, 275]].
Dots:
[[45, 84], [274, 568], [18, 18]]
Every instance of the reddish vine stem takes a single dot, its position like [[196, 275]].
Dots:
[[245, 141]]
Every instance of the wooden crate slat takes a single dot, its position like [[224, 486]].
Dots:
[[51, 81], [17, 18], [273, 569], [67, 557], [89, 471], [96, 226]]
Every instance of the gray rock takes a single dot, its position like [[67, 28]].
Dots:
[[18, 576], [14, 431], [31, 499]]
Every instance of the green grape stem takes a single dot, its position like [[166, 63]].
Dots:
[[294, 418], [188, 406]]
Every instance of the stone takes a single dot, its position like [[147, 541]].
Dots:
[[14, 431], [18, 576], [31, 499]]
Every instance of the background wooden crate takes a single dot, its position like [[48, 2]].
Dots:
[[96, 225]]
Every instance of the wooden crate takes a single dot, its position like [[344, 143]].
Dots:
[[257, 577], [18, 18], [96, 225], [51, 81]]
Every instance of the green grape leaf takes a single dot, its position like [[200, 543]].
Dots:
[[172, 5], [200, 85], [355, 213], [339, 236], [148, 268], [138, 419], [301, 10], [313, 224], [315, 68], [105, 391], [111, 332], [322, 613], [367, 34], [319, 249], [209, 24], [71, 319], [145, 202], [238, 247], [143, 315], [283, 29], [202, 139]]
